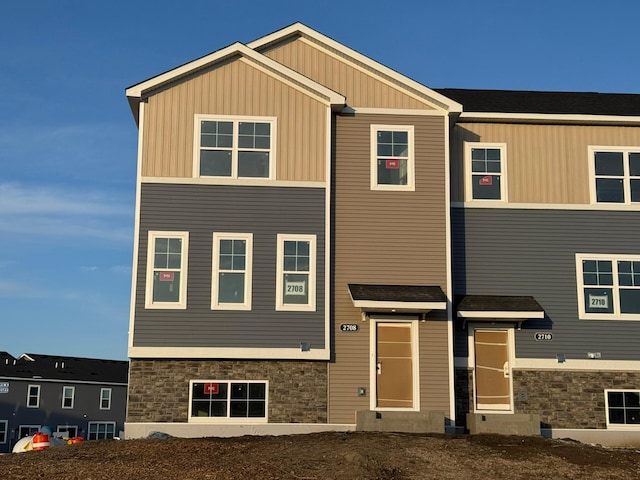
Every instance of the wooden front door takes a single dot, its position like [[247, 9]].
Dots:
[[492, 370], [394, 372]]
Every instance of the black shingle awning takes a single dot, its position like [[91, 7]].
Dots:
[[397, 298], [498, 307]]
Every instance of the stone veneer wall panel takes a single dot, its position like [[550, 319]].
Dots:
[[159, 389]]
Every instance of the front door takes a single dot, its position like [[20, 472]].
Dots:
[[492, 370], [394, 365]]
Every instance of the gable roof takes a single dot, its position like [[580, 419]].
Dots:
[[299, 29], [52, 367], [522, 101], [138, 91]]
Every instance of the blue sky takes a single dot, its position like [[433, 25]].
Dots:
[[68, 139]]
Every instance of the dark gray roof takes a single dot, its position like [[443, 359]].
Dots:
[[397, 293], [497, 303], [522, 101], [53, 367]]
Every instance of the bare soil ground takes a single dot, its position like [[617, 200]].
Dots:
[[375, 456]]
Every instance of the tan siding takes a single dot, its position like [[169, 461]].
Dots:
[[546, 163], [234, 88], [361, 87], [387, 237]]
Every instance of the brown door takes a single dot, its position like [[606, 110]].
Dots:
[[394, 377], [492, 372]]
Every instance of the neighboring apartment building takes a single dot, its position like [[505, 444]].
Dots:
[[74, 396], [315, 247]]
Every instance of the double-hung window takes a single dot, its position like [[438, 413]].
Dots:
[[623, 408], [231, 278], [3, 430], [615, 175], [296, 273], [486, 171], [167, 270], [68, 394], [222, 400], [608, 286], [234, 147], [33, 396], [105, 399], [392, 157]]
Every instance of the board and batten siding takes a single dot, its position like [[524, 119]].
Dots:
[[532, 252], [361, 86], [545, 163], [387, 237], [202, 210], [235, 87]]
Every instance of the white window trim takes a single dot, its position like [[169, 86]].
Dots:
[[100, 423], [102, 390], [73, 396], [616, 315], [215, 303], [151, 241], [280, 305], [229, 419], [37, 405], [592, 149], [30, 427], [6, 431], [411, 163], [618, 426], [66, 427], [468, 176], [234, 155]]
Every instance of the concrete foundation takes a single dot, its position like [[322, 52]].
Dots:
[[507, 424], [408, 422]]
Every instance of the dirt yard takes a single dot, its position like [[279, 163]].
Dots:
[[379, 456]]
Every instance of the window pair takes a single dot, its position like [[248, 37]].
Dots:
[[232, 268], [616, 174], [228, 400]]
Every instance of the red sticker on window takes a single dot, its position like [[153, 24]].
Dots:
[[211, 388], [486, 180], [166, 276], [393, 164]]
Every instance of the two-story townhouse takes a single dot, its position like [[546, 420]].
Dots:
[[545, 192], [292, 259], [76, 397]]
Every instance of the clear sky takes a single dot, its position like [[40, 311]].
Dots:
[[68, 139]]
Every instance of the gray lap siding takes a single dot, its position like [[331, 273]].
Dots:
[[202, 210], [532, 252]]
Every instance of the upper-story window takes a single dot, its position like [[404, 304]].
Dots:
[[392, 157], [68, 394], [167, 270], [234, 147], [486, 171], [615, 173], [232, 263], [33, 396], [296, 270], [105, 399], [608, 286]]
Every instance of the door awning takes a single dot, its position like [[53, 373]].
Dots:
[[397, 298], [498, 308]]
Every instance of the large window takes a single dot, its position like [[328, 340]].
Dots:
[[105, 399], [232, 263], [392, 157], [3, 430], [68, 394], [33, 396], [608, 286], [296, 273], [228, 400], [67, 431], [623, 407], [486, 171], [167, 270], [27, 430], [616, 174], [101, 430], [233, 147]]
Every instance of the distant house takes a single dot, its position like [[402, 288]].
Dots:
[[322, 242], [77, 396]]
